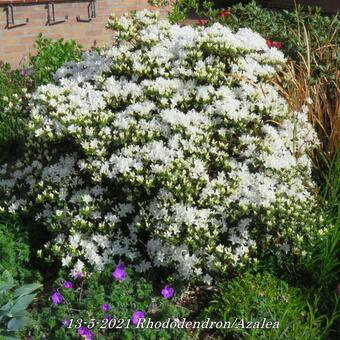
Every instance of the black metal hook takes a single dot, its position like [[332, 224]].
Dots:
[[51, 20], [10, 18], [91, 12]]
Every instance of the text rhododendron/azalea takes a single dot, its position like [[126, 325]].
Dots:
[[170, 149]]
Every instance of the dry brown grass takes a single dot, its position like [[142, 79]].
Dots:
[[298, 82]]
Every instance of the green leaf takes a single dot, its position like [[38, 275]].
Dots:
[[18, 323], [5, 287], [6, 307], [26, 289], [8, 277], [23, 302], [7, 281], [5, 336], [19, 313]]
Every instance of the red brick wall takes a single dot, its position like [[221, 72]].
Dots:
[[17, 43]]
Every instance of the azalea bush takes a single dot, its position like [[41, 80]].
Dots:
[[111, 305], [170, 149], [17, 85], [308, 38]]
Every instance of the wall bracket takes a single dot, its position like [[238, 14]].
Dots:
[[51, 19], [91, 12], [10, 18]]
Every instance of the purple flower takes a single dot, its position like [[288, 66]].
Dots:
[[119, 274], [168, 292], [79, 275], [108, 317], [85, 333], [136, 316], [68, 284], [65, 323], [57, 298], [105, 307]]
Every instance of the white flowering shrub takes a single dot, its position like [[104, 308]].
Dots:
[[170, 149]]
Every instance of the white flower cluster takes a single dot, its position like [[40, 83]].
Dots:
[[170, 149]]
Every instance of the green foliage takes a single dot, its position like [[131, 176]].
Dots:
[[262, 296], [319, 272], [181, 8], [330, 185], [13, 88], [14, 247], [52, 54], [13, 305], [85, 299]]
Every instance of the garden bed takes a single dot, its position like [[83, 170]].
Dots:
[[184, 176]]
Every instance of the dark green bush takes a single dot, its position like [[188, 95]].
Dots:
[[14, 247], [84, 301], [253, 298], [52, 54], [14, 85]]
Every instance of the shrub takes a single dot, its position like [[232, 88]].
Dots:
[[109, 303], [181, 9], [260, 299], [308, 37], [14, 247], [50, 55], [16, 86], [13, 88], [170, 149]]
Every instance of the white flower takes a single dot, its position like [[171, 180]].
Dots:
[[207, 279]]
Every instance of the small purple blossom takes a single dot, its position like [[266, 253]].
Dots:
[[105, 307], [136, 316], [108, 317], [57, 298], [168, 292], [68, 284], [65, 323], [119, 274], [79, 275], [85, 333]]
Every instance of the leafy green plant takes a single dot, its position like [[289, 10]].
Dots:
[[180, 9], [73, 304], [14, 247], [13, 305], [50, 55], [258, 297], [319, 272], [330, 190], [13, 88]]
